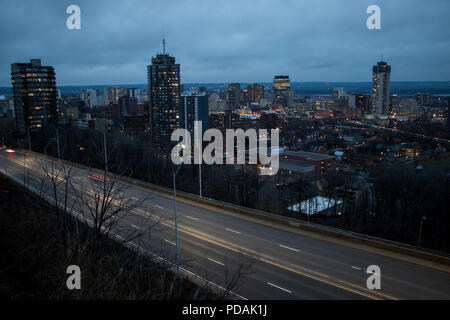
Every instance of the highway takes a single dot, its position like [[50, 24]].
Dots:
[[283, 265]]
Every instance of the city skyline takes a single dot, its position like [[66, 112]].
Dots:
[[313, 43], [200, 151]]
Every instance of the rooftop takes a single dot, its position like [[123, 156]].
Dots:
[[296, 165], [315, 205], [193, 94], [309, 155]]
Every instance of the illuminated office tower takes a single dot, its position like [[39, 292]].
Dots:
[[381, 76], [282, 91], [35, 95], [281, 83]]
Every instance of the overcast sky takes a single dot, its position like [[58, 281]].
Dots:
[[228, 40]]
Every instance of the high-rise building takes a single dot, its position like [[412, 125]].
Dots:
[[128, 106], [402, 106], [282, 93], [164, 97], [381, 76], [244, 98], [35, 95], [90, 97], [134, 93], [112, 94], [233, 96], [255, 92], [229, 119], [360, 101], [281, 83], [223, 120], [194, 107]]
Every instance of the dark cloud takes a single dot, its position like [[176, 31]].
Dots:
[[225, 41]]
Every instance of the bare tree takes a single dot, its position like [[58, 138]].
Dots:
[[106, 204]]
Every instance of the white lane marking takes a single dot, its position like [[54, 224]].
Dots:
[[136, 227], [207, 282], [289, 248], [158, 257], [357, 268], [271, 284], [192, 218], [231, 230], [159, 207], [170, 242], [215, 261]]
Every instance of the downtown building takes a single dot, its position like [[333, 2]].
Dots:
[[255, 93], [358, 106], [112, 94], [194, 107], [164, 98], [233, 96], [35, 95], [282, 93], [134, 93], [90, 97], [381, 77]]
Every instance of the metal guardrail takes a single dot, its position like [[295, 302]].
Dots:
[[220, 291], [433, 255], [295, 222], [425, 253]]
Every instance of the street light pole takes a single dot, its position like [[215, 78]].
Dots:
[[420, 230], [200, 179], [24, 171], [57, 143], [106, 155], [174, 174], [29, 139], [45, 152]]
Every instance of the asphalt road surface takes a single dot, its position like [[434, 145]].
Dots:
[[275, 264]]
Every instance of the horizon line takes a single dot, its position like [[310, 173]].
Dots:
[[226, 83]]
